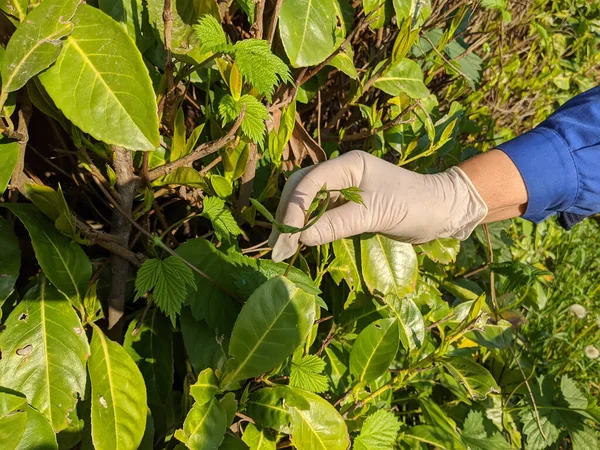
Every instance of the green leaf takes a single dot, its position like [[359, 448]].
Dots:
[[91, 305], [100, 83], [405, 77], [204, 426], [16, 9], [169, 279], [260, 66], [9, 155], [318, 427], [178, 143], [266, 407], [205, 388], [274, 321], [231, 441], [38, 433], [379, 17], [306, 373], [442, 250], [118, 396], [374, 349], [221, 185], [475, 378], [13, 419], [431, 435], [221, 218], [344, 61], [44, 349], [53, 204], [133, 16], [202, 346], [258, 439], [572, 394], [477, 437], [150, 345], [183, 176], [253, 124], [345, 265], [37, 42], [230, 406], [10, 260], [388, 266], [410, 321], [379, 432], [417, 10], [307, 30], [211, 35]]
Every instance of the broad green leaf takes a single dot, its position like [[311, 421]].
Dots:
[[133, 17], [178, 142], [118, 396], [379, 432], [183, 176], [405, 77], [475, 378], [44, 350], [442, 250], [307, 30], [13, 419], [258, 439], [230, 406], [274, 321], [221, 185], [37, 42], [150, 345], [318, 427], [410, 321], [345, 264], [388, 266], [337, 365], [266, 407], [63, 261], [38, 433], [15, 8], [202, 345], [432, 436], [374, 349], [10, 260], [205, 388], [475, 434], [231, 441], [53, 204], [9, 155], [204, 426], [101, 84], [344, 61]]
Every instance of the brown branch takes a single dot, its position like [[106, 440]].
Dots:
[[121, 228], [98, 176], [169, 102], [259, 12], [274, 19], [200, 152], [19, 179]]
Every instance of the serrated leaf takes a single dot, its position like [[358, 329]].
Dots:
[[169, 279], [307, 30], [253, 124], [118, 399], [388, 266], [13, 418], [44, 350], [475, 378], [274, 321], [100, 83], [221, 218], [38, 433], [37, 42], [204, 426], [476, 436], [9, 155], [411, 325], [405, 77], [211, 35], [260, 66], [150, 345], [374, 349], [91, 304], [572, 394], [10, 260], [258, 439], [319, 426], [205, 387], [306, 373], [379, 432]]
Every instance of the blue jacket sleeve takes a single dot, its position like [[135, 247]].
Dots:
[[559, 161]]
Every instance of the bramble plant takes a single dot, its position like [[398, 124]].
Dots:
[[144, 144]]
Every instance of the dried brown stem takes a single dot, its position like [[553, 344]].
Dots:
[[200, 152], [247, 181], [169, 105], [259, 12], [19, 179], [274, 19]]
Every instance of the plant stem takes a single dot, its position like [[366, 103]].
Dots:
[[292, 261]]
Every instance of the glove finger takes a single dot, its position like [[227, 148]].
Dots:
[[344, 221]]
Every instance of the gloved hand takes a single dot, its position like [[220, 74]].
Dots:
[[401, 204]]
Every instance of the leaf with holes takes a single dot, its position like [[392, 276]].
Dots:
[[100, 83], [118, 396], [374, 349], [44, 350]]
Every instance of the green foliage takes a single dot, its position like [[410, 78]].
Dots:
[[365, 343], [169, 280]]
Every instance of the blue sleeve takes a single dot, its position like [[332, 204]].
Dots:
[[559, 161]]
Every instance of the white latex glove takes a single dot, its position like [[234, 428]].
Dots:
[[401, 204]]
